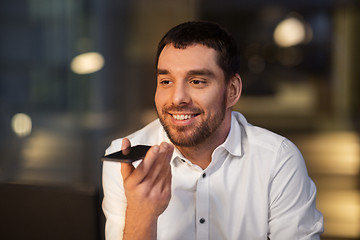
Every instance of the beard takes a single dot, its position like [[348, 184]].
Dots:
[[195, 134]]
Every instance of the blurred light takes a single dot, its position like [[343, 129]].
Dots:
[[86, 63], [21, 124], [341, 210], [335, 153], [290, 32]]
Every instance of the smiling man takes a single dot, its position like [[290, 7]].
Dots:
[[209, 174]]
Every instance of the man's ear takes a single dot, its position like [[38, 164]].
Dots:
[[234, 90]]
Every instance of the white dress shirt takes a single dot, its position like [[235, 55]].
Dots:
[[255, 187]]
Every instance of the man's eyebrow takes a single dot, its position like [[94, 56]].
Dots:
[[196, 72], [201, 72], [162, 72]]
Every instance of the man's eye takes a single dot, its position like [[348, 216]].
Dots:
[[165, 82], [197, 82]]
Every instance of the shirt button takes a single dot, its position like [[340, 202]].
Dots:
[[204, 175], [202, 220]]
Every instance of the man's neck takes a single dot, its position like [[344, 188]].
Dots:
[[201, 154], [198, 156]]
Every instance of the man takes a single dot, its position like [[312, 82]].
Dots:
[[210, 174]]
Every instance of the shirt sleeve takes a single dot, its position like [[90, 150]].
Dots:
[[114, 202], [293, 213]]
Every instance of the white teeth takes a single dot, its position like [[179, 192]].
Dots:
[[182, 117]]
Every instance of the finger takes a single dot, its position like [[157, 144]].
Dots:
[[125, 146], [169, 149], [165, 180], [160, 167], [144, 167], [165, 183], [153, 164], [160, 181], [126, 168]]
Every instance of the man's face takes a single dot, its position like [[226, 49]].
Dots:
[[191, 94]]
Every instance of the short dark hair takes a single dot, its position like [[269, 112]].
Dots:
[[208, 34]]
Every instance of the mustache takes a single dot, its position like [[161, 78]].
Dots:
[[174, 108]]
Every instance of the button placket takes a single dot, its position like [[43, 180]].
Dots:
[[202, 207]]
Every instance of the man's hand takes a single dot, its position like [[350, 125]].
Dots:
[[147, 190]]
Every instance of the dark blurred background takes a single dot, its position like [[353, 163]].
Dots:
[[75, 74]]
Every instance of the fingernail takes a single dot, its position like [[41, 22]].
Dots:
[[156, 149]]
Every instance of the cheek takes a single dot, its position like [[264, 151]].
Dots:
[[156, 98], [211, 101], [159, 100]]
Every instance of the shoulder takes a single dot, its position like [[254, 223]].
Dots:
[[256, 135], [263, 141]]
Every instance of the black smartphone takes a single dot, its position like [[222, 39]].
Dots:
[[132, 154]]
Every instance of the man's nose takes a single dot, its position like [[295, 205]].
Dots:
[[181, 95]]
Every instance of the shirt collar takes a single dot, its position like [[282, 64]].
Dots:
[[233, 141]]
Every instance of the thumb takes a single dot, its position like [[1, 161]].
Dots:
[[126, 168]]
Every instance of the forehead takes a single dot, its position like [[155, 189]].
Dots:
[[193, 56]]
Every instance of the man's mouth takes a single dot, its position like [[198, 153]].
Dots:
[[183, 116]]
